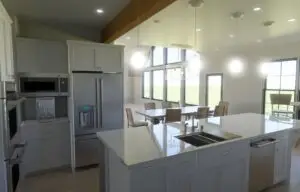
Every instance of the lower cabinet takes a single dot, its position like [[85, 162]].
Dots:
[[281, 164], [48, 146], [215, 169]]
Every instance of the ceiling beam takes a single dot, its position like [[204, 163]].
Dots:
[[136, 12]]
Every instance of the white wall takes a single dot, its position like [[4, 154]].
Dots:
[[244, 92]]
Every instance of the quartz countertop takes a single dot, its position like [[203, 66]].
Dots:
[[143, 144]]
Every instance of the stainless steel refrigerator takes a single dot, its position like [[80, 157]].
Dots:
[[98, 106]]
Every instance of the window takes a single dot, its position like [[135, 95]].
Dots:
[[158, 56], [146, 85], [173, 84], [214, 85], [191, 88], [158, 84], [174, 55], [281, 79]]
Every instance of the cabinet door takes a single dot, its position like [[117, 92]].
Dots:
[[281, 161], [180, 176], [9, 67], [234, 176], [150, 179], [206, 179], [82, 58], [109, 59]]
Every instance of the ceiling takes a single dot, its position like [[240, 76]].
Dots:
[[81, 12], [176, 25]]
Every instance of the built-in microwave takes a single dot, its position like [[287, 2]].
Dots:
[[46, 85]]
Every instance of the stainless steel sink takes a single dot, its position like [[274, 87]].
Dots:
[[200, 139]]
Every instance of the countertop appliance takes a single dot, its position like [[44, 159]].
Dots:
[[97, 103], [43, 84], [262, 162], [11, 148]]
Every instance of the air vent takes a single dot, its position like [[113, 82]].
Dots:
[[268, 23]]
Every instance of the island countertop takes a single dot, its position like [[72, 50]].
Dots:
[[143, 144]]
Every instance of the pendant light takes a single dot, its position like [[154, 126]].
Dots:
[[194, 64], [138, 58]]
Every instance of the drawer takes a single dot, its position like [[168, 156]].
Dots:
[[223, 153], [45, 130]]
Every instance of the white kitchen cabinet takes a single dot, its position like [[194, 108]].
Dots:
[[205, 179], [86, 56], [109, 58], [41, 56], [83, 58], [48, 146], [6, 47], [281, 159]]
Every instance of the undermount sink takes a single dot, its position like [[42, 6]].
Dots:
[[200, 139]]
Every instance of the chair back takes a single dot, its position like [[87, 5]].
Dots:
[[149, 106], [281, 99], [129, 116], [202, 113], [165, 105], [173, 115], [219, 111], [226, 106]]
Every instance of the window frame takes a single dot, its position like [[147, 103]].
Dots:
[[296, 90], [180, 85], [152, 89], [206, 85], [143, 84]]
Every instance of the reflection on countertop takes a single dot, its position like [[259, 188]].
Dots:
[[138, 145]]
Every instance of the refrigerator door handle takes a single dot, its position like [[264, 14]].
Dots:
[[96, 107], [99, 107]]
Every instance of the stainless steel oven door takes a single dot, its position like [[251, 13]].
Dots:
[[13, 167]]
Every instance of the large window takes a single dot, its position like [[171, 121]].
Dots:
[[158, 56], [158, 84], [281, 79], [163, 78], [173, 84], [214, 86], [174, 55], [192, 81], [146, 85]]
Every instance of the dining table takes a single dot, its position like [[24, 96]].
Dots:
[[161, 113]]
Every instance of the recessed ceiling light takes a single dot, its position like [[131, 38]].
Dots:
[[128, 38], [256, 9], [258, 40], [99, 11], [198, 29], [292, 20], [231, 35]]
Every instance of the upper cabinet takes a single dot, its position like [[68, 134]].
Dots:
[[6, 46], [41, 56], [85, 56]]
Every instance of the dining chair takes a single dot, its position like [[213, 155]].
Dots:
[[149, 106], [282, 101], [226, 106], [131, 122], [202, 113], [219, 111], [166, 104], [173, 115]]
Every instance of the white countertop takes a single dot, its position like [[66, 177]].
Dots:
[[142, 144]]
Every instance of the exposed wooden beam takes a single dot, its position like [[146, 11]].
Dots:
[[136, 12]]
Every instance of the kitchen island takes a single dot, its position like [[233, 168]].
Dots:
[[255, 154]]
